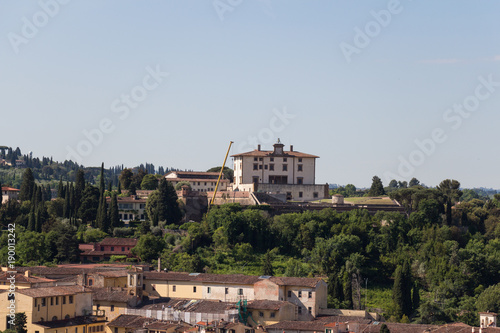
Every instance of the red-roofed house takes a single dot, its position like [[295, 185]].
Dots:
[[102, 251], [277, 171], [198, 180], [9, 193]]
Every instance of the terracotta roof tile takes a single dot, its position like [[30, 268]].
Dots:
[[295, 281], [111, 294], [52, 291], [263, 304], [188, 305], [118, 241], [70, 322], [21, 278]]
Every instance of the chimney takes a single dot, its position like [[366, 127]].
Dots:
[[27, 273], [473, 329], [291, 147], [159, 264], [258, 147]]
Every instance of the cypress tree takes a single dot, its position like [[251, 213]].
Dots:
[[119, 188], [60, 188], [347, 289], [110, 186], [267, 266], [168, 207], [79, 188], [67, 203], [31, 220], [101, 181], [401, 291], [415, 297], [27, 185], [114, 219]]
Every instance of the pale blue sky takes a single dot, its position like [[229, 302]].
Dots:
[[231, 72]]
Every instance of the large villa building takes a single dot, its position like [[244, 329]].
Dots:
[[278, 171]]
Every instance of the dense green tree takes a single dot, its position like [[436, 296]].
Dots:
[[450, 189], [414, 182], [384, 329], [27, 185], [79, 188], [90, 203], [228, 173], [126, 178], [148, 247], [489, 299], [149, 182], [377, 188], [347, 281], [20, 321]]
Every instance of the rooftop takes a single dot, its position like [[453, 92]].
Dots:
[[264, 153], [52, 291]]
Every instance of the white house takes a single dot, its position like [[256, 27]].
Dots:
[[278, 171]]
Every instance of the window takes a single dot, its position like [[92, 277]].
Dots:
[[36, 302], [116, 329], [76, 329], [309, 309], [260, 166], [284, 159], [52, 302], [300, 294], [271, 167], [64, 299], [255, 158], [194, 289], [289, 293], [240, 291], [205, 183], [43, 301], [255, 166], [255, 179], [70, 299], [208, 290], [299, 167], [102, 248], [112, 308], [265, 166], [273, 314], [91, 282], [112, 248], [57, 300], [300, 194], [300, 159], [272, 159], [285, 167], [226, 291], [315, 194], [54, 318], [300, 180], [300, 310], [67, 316], [123, 248], [261, 314], [310, 294], [260, 159]]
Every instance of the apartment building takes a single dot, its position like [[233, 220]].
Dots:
[[52, 309]]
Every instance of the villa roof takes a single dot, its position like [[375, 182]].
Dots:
[[263, 153]]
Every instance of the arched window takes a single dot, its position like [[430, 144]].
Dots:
[[54, 318], [66, 317], [41, 319]]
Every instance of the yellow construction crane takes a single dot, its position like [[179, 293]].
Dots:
[[220, 175]]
